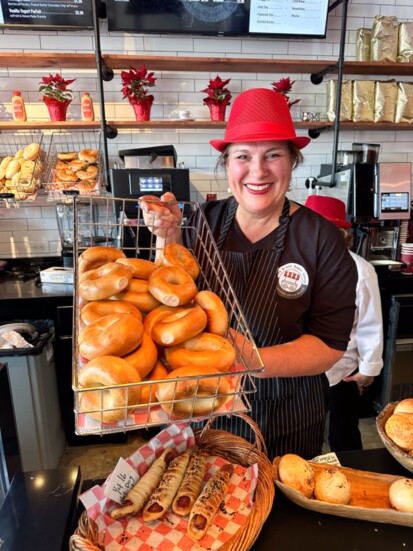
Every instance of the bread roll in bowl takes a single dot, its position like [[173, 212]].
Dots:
[[175, 254], [404, 406], [199, 395], [401, 495], [108, 371], [205, 349], [332, 486], [296, 472], [105, 281], [92, 311], [178, 326], [93, 257], [172, 285], [399, 428], [112, 335]]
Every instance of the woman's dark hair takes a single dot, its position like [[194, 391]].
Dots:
[[295, 154]]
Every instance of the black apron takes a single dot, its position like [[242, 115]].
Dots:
[[290, 411]]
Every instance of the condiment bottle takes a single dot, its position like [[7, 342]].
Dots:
[[87, 107], [19, 110]]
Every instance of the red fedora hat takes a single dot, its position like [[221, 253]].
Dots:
[[260, 115], [331, 208]]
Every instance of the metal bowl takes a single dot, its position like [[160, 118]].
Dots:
[[399, 455]]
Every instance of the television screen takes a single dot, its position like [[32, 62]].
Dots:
[[53, 14], [294, 18]]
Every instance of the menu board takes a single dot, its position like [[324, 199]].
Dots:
[[53, 13], [295, 18]]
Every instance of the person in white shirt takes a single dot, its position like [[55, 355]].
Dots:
[[363, 359]]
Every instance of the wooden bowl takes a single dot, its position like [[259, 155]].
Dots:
[[399, 455]]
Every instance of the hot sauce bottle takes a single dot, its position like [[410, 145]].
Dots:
[[87, 107], [19, 110]]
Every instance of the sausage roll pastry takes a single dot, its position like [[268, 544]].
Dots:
[[139, 494], [162, 497], [190, 487], [208, 502]]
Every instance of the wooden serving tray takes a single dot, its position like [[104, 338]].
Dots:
[[369, 496]]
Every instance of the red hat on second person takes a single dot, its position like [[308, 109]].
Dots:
[[331, 208], [260, 115]]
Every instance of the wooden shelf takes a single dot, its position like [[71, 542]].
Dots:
[[188, 125], [40, 60]]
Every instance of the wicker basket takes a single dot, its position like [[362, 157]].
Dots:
[[234, 449], [399, 455]]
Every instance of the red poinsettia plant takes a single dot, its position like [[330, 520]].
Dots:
[[56, 87], [283, 86], [217, 92], [136, 83]]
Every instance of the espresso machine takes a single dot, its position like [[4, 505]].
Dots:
[[377, 197]]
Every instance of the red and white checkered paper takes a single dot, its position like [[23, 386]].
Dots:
[[155, 415], [170, 533]]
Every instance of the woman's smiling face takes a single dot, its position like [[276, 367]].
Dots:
[[259, 174]]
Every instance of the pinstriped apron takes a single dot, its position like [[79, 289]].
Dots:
[[289, 411]]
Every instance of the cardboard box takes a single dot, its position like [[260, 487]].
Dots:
[[57, 275]]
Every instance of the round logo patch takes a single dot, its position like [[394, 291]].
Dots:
[[292, 281]]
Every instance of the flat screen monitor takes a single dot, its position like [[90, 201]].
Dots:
[[59, 14], [287, 18]]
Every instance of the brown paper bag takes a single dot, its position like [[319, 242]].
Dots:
[[346, 100], [385, 99], [363, 100], [405, 43], [384, 37], [404, 106], [363, 43]]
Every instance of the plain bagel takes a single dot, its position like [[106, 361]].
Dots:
[[200, 394], [205, 349], [104, 372], [93, 257], [215, 311], [172, 285], [177, 327], [92, 311], [105, 281], [112, 335], [175, 254]]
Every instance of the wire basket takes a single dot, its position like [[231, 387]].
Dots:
[[110, 223], [74, 164], [234, 449], [22, 165]]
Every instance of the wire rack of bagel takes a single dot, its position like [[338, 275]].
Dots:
[[74, 163], [22, 165], [159, 335]]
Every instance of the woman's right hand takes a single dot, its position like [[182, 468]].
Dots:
[[162, 215]]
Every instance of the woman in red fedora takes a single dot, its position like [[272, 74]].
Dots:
[[289, 267], [363, 359]]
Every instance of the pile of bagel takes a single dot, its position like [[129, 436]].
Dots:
[[76, 170], [146, 321], [19, 174], [399, 426]]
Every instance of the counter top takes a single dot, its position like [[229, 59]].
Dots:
[[11, 289], [38, 512], [290, 527]]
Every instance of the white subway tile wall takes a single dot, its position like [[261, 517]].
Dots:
[[32, 231]]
